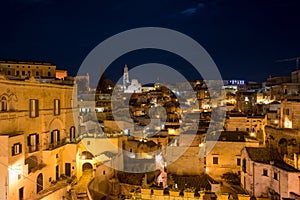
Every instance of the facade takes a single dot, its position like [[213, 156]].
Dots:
[[61, 73], [225, 156], [246, 101], [285, 90], [134, 87], [241, 122], [264, 174], [25, 69], [290, 113], [38, 136]]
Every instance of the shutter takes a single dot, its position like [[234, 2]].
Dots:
[[52, 138], [58, 135], [20, 146], [71, 134], [58, 104], [54, 107], [37, 139], [36, 108], [28, 141], [30, 108], [12, 150]]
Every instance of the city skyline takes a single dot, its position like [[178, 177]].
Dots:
[[241, 37]]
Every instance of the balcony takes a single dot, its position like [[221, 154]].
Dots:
[[54, 145], [64, 141], [33, 148]]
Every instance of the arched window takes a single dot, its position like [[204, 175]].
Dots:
[[39, 183], [3, 104]]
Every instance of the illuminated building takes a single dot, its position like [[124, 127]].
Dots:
[[23, 69], [37, 136], [264, 174]]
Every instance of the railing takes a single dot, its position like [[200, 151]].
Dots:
[[55, 145], [32, 149], [64, 141]]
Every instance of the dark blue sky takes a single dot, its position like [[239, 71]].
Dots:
[[244, 37]]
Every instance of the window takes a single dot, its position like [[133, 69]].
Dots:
[[16, 149], [56, 107], [275, 176], [215, 160], [244, 165], [33, 142], [238, 162], [72, 133], [265, 172], [23, 73], [8, 73], [3, 104], [287, 111], [18, 73], [37, 73], [237, 129], [55, 137], [49, 74], [34, 108]]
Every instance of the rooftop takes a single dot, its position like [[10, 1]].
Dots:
[[13, 61], [266, 156], [228, 136]]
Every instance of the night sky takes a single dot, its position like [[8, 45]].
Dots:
[[244, 37]]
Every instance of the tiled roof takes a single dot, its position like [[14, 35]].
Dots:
[[266, 155], [228, 136]]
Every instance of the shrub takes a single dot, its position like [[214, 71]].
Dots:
[[232, 178]]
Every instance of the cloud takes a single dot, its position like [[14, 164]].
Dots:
[[193, 10], [189, 11]]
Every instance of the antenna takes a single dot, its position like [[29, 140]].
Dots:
[[291, 59]]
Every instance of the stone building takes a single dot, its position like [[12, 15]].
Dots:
[[225, 154], [254, 125], [290, 113], [37, 134], [23, 69], [264, 174]]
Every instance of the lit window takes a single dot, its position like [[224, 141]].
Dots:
[[56, 107], [287, 111], [3, 104], [55, 137], [215, 160], [33, 142], [34, 108], [16, 149], [72, 133]]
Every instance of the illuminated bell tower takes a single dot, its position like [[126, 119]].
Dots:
[[125, 78]]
